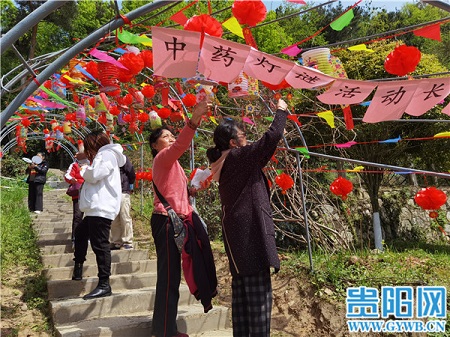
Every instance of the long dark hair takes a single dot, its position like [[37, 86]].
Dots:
[[154, 136], [224, 132], [93, 142]]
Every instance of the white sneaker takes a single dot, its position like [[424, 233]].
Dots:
[[37, 212]]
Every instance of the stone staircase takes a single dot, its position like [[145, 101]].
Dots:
[[128, 312]]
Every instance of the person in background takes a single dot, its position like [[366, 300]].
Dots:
[[99, 200], [121, 235], [37, 176], [73, 177], [247, 225], [171, 181]]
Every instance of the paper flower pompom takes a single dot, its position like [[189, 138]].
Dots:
[[284, 181], [430, 198], [148, 91], [249, 13], [204, 23], [163, 113], [189, 100], [341, 187], [134, 63], [402, 60], [147, 57]]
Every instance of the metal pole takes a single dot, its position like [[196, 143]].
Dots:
[[368, 163], [439, 4], [302, 193], [28, 22], [75, 50]]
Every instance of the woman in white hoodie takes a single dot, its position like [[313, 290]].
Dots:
[[99, 200]]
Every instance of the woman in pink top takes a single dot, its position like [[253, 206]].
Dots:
[[171, 181]]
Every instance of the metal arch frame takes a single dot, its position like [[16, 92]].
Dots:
[[37, 64], [62, 60], [13, 142], [48, 118], [29, 21]]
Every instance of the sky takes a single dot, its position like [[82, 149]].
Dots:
[[388, 5]]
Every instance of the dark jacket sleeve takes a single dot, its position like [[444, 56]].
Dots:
[[41, 173], [127, 175]]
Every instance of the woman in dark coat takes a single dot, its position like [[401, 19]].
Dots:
[[37, 176], [247, 224]]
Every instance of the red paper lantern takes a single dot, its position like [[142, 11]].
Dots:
[[189, 100], [114, 110], [25, 122], [163, 113], [176, 116], [92, 68], [127, 118], [148, 91], [430, 198], [402, 60], [148, 176], [127, 99], [341, 187], [124, 76], [91, 101], [249, 13], [107, 75], [204, 23], [147, 57], [284, 181], [143, 117], [71, 117], [48, 84], [102, 118]]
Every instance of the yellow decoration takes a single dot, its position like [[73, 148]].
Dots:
[[361, 47], [233, 26], [146, 41], [74, 80], [67, 127], [356, 169], [328, 116], [213, 119], [442, 134]]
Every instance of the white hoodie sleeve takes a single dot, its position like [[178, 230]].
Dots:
[[102, 166]]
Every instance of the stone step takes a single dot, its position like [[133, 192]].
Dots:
[[64, 248], [65, 273], [45, 239], [52, 230], [190, 320], [120, 303], [60, 289], [66, 260], [55, 224]]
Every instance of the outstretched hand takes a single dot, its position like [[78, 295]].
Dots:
[[200, 109], [281, 105]]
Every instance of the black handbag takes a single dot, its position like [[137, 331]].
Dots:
[[177, 223]]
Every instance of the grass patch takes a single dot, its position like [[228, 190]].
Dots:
[[20, 256], [334, 273]]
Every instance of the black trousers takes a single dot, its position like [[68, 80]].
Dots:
[[96, 229], [77, 217], [168, 278], [35, 196]]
